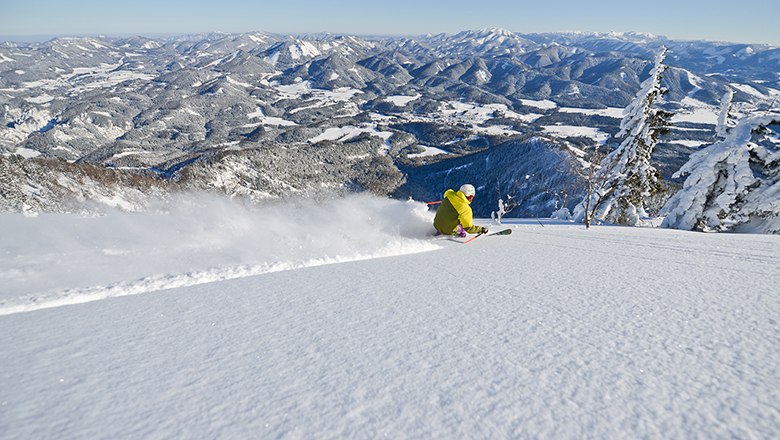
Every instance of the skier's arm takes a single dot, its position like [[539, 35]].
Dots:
[[465, 217]]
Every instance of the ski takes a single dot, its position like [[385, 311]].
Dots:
[[469, 240], [502, 232]]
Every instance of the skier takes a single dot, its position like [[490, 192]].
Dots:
[[454, 216]]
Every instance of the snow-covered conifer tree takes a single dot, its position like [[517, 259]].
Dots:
[[625, 180], [726, 120], [733, 184]]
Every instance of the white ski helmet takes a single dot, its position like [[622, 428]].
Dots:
[[467, 189]]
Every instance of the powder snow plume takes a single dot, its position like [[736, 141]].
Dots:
[[59, 259]]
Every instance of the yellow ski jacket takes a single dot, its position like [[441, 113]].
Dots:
[[454, 209]]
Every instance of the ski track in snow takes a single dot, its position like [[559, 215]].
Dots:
[[551, 332], [155, 283]]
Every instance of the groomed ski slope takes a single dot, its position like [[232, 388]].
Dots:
[[552, 332]]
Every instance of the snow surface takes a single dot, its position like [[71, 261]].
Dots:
[[696, 112], [27, 153], [42, 99], [496, 130], [324, 97], [470, 113], [575, 131], [552, 332], [83, 79], [342, 134], [689, 143], [544, 104], [429, 151], [268, 120], [749, 90], [612, 112], [402, 100]]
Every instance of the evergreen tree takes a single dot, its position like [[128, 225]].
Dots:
[[733, 184], [625, 180], [726, 119]]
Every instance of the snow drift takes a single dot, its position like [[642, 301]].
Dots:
[[56, 259]]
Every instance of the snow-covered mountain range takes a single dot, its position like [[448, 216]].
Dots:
[[266, 116]]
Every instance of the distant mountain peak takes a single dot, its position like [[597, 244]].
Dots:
[[496, 31], [636, 36], [493, 41]]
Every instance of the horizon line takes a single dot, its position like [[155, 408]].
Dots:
[[42, 38]]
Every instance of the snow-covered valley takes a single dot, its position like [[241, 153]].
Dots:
[[343, 318]]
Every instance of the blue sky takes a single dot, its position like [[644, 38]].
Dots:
[[752, 21]]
